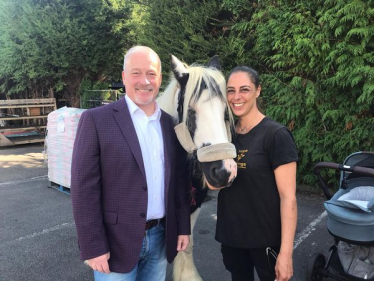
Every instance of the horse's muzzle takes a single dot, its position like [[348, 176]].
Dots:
[[220, 173]]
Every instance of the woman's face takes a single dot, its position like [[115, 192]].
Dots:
[[242, 94]]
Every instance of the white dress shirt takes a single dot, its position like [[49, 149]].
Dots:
[[148, 130]]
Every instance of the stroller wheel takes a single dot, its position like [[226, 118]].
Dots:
[[316, 262]]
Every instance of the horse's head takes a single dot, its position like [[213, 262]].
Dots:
[[202, 129]]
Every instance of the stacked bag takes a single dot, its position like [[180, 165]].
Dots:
[[61, 130]]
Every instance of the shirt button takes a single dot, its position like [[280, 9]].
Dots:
[[142, 215]]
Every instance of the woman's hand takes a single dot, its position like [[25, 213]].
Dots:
[[283, 268]]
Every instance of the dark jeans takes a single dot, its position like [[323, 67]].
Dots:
[[242, 262]]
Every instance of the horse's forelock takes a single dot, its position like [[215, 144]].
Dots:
[[215, 83], [213, 80]]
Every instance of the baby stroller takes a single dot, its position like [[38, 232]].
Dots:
[[350, 220]]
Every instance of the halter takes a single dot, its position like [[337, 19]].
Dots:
[[208, 153], [214, 152]]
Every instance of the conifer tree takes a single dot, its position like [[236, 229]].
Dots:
[[50, 47], [316, 61], [193, 30]]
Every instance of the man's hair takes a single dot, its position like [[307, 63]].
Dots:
[[139, 48]]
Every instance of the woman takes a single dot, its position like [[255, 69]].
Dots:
[[257, 215]]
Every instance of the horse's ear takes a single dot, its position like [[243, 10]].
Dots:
[[179, 70], [214, 62]]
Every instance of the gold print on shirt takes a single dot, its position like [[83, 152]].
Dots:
[[241, 154]]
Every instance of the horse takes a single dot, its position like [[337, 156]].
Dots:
[[196, 99]]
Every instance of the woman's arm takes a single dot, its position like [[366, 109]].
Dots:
[[285, 176]]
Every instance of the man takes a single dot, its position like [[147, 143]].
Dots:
[[129, 184]]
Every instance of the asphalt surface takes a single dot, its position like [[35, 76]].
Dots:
[[38, 239]]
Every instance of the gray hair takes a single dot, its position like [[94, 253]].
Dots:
[[140, 48]]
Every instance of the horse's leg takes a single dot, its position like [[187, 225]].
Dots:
[[184, 268]]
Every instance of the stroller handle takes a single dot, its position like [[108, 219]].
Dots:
[[341, 167]]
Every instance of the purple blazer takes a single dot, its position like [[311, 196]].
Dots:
[[109, 188]]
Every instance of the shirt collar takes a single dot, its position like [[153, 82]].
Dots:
[[134, 108]]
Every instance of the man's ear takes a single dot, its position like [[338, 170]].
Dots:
[[123, 77]]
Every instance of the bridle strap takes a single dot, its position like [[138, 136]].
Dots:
[[184, 137], [219, 151], [209, 153]]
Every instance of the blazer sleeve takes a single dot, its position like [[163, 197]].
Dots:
[[183, 190], [86, 190]]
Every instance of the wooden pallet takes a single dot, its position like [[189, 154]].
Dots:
[[59, 187]]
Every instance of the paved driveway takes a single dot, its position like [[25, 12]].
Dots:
[[38, 239]]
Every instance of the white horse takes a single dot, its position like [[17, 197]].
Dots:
[[196, 98]]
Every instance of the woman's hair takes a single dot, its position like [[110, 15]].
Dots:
[[252, 74]]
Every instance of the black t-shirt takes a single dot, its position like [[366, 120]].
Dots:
[[248, 213]]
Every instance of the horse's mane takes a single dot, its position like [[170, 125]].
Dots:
[[167, 99], [215, 82]]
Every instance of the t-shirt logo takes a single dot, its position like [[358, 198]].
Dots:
[[241, 155]]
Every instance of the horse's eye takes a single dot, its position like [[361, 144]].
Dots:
[[191, 111]]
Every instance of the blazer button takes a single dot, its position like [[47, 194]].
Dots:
[[145, 188], [142, 215]]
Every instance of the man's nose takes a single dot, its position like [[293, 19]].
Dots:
[[144, 80]]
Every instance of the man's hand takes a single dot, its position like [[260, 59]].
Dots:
[[99, 263], [183, 241]]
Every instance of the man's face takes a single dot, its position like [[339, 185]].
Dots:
[[142, 78]]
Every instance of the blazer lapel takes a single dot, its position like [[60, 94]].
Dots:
[[165, 127], [124, 122]]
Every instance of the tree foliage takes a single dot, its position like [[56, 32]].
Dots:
[[52, 46], [315, 57], [316, 61], [192, 30]]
